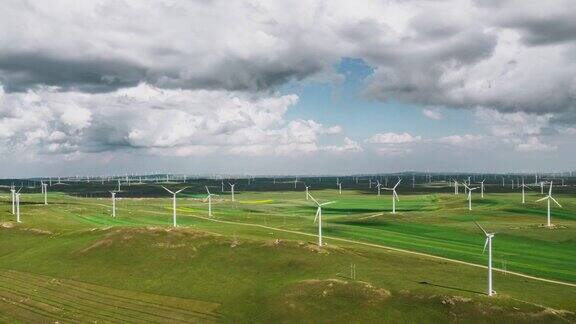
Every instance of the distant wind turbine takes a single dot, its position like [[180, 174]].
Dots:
[[319, 217], [174, 193], [13, 194], [394, 196], [113, 203], [18, 205], [548, 198], [209, 199], [469, 195], [232, 190], [523, 186]]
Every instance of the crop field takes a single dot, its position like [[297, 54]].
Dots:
[[256, 259]]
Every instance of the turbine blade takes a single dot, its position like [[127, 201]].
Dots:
[[181, 190], [207, 189], [539, 200], [327, 203], [485, 244], [313, 199], [317, 212], [482, 229], [167, 189], [557, 203]]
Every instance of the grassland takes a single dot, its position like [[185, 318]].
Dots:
[[256, 260]]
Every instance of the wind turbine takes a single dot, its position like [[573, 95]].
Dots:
[[232, 189], [378, 186], [118, 186], [209, 198], [13, 194], [114, 203], [319, 217], [339, 184], [394, 196], [488, 244], [548, 198], [307, 194], [523, 194], [482, 188], [455, 187], [173, 203], [469, 195], [45, 190], [18, 205]]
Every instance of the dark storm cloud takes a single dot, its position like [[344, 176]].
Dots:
[[20, 72]]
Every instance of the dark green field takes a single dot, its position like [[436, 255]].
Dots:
[[256, 259]]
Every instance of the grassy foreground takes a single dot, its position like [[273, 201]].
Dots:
[[256, 260]]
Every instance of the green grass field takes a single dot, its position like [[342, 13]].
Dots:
[[256, 259]]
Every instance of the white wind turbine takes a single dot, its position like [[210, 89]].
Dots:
[[173, 203], [18, 205], [469, 195], [378, 186], [209, 199], [488, 244], [523, 186], [118, 190], [319, 217], [339, 184], [455, 187], [548, 198], [482, 188], [13, 194], [113, 203], [45, 191], [394, 196], [232, 190], [307, 191]]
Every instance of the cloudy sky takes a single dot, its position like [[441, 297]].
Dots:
[[280, 87]]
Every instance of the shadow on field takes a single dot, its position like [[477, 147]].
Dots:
[[449, 287]]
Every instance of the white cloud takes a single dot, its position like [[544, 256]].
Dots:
[[432, 114], [392, 138], [533, 144], [155, 121], [462, 140], [349, 146], [393, 144]]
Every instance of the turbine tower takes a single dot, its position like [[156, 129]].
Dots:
[[45, 190], [13, 194], [319, 217], [174, 193], [307, 194], [523, 186], [18, 205], [232, 190], [549, 198], [482, 188], [113, 203], [488, 244]]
